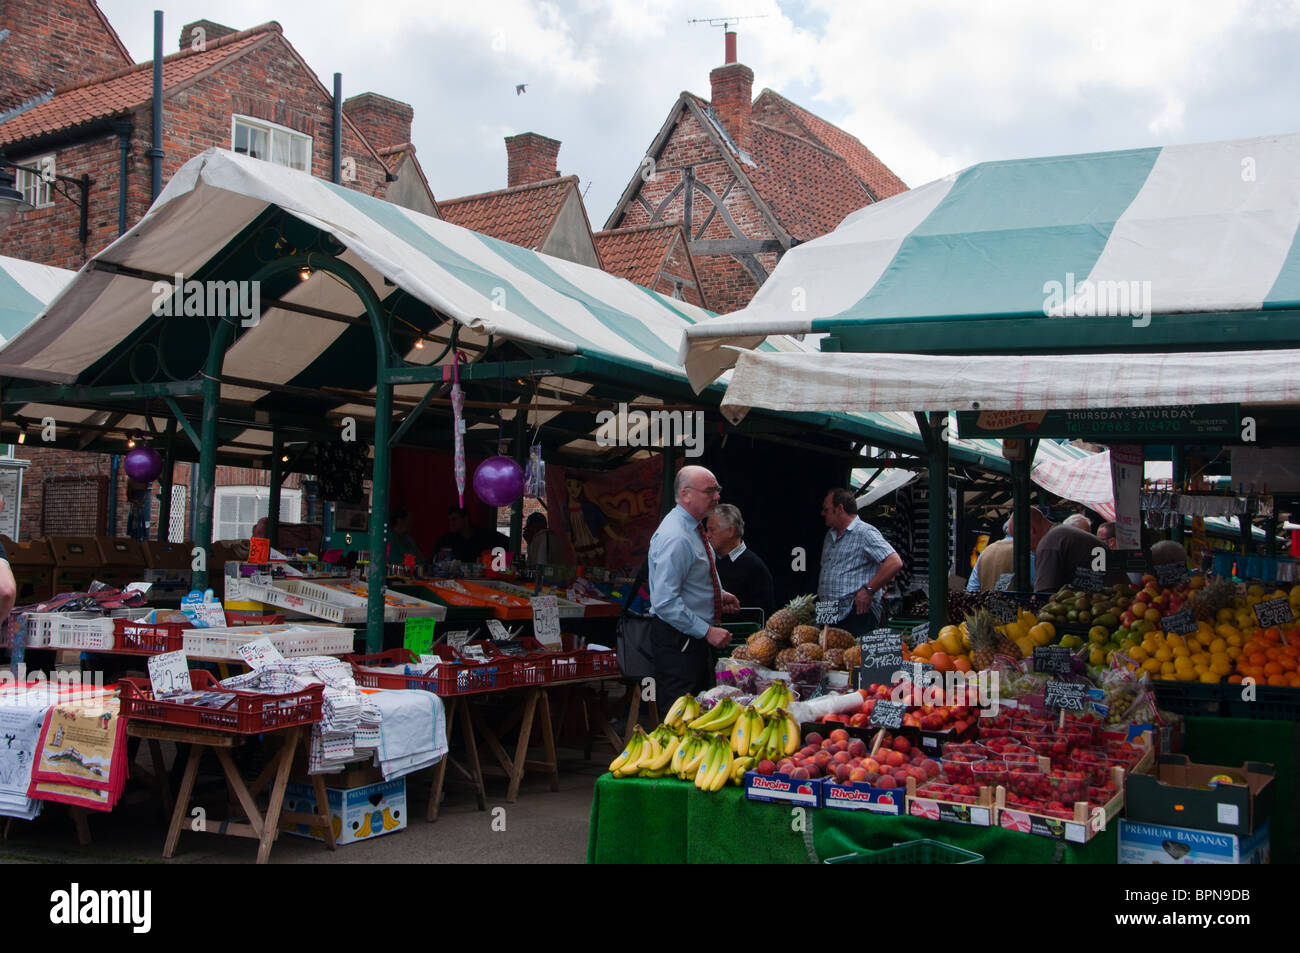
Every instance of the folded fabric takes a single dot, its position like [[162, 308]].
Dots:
[[412, 731]]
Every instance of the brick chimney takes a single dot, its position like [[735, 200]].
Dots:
[[531, 158], [384, 122], [733, 97], [211, 31]]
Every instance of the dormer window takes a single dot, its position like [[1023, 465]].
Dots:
[[266, 140]]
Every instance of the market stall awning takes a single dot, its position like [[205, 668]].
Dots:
[[25, 290], [311, 353], [1048, 253], [857, 383], [1086, 481]]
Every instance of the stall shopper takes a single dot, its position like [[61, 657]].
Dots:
[[1064, 549], [545, 547], [686, 598], [464, 541], [400, 541], [740, 569], [8, 588], [999, 558], [857, 563]]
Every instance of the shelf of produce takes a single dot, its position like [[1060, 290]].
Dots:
[[639, 820], [568, 608], [466, 610], [469, 594]]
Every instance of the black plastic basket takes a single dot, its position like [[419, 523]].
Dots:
[[1271, 702], [1196, 698], [912, 852]]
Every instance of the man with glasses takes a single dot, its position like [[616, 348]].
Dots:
[[857, 563], [686, 597]]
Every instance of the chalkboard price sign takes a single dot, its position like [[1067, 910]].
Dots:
[[827, 612], [920, 633], [1181, 622], [1272, 612], [1053, 659], [1089, 580], [881, 647], [1172, 574], [1003, 609], [1070, 696], [888, 715]]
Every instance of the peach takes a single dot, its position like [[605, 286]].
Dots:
[[813, 739], [839, 734], [766, 767], [858, 774], [857, 748]]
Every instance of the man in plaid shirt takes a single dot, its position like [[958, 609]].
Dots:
[[857, 563]]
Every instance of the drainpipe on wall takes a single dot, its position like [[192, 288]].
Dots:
[[336, 170], [123, 129], [156, 152]]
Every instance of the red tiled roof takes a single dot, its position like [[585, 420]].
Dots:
[[637, 254], [809, 189], [126, 89], [869, 169], [522, 215]]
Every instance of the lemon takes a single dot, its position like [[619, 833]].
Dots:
[[1164, 654], [1211, 678], [1139, 653], [1152, 666]]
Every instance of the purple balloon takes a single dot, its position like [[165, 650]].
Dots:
[[499, 481], [143, 464]]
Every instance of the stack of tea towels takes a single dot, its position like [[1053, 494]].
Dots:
[[402, 731]]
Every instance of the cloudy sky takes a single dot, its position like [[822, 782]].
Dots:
[[931, 86]]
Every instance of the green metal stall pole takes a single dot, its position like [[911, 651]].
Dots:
[[165, 493], [1178, 456], [210, 388], [273, 500], [521, 458], [937, 439]]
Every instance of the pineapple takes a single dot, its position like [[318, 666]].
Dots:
[[1218, 595], [834, 658], [984, 639], [762, 647], [852, 657], [832, 638], [809, 652], [805, 633], [797, 611], [785, 657]]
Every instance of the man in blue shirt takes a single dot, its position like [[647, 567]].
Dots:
[[857, 563], [686, 598]]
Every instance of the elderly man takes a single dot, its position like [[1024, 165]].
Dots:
[[857, 563], [999, 558], [686, 597], [739, 568], [1078, 521]]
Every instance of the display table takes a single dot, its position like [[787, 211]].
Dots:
[[637, 820], [642, 821]]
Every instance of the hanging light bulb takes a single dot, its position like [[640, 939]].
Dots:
[[304, 273], [419, 344], [131, 442], [285, 458]]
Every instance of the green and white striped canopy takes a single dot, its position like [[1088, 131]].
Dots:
[[25, 289]]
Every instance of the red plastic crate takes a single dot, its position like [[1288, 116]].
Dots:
[[451, 678], [149, 638], [247, 713]]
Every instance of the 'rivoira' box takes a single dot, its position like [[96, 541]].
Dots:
[[1141, 843], [356, 814]]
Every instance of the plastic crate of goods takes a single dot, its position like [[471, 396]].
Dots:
[[87, 631], [337, 611], [450, 677], [212, 707], [149, 638], [289, 640], [36, 628], [1195, 698], [912, 852], [397, 607]]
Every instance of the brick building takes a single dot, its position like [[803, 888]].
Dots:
[[70, 93], [747, 179]]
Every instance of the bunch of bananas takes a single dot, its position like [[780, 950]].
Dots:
[[718, 718], [685, 709], [647, 755], [778, 695], [768, 739]]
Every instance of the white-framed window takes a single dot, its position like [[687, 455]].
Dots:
[[36, 191], [266, 140], [238, 508]]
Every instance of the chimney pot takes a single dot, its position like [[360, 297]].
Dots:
[[731, 47], [531, 158]]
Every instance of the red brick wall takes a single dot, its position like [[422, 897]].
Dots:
[[385, 122], [677, 265], [53, 43], [531, 158], [266, 83], [727, 286]]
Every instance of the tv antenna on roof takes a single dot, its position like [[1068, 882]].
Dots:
[[725, 22]]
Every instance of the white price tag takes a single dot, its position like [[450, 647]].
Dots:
[[259, 653], [457, 640], [498, 631], [546, 620], [169, 673]]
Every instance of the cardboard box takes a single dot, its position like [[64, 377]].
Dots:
[[358, 814], [981, 814], [1142, 843], [1179, 794], [860, 796], [782, 789]]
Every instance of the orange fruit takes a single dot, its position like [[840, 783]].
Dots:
[[962, 664], [1280, 681], [942, 663], [924, 650], [1271, 669]]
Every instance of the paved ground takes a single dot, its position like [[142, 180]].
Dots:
[[540, 827]]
